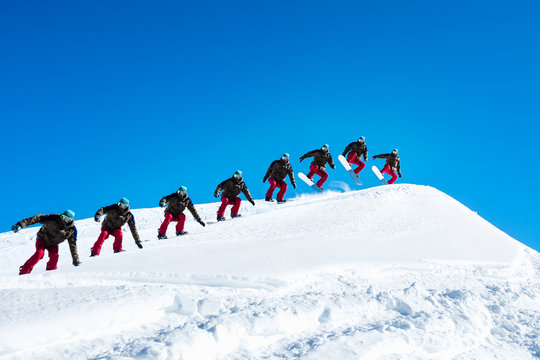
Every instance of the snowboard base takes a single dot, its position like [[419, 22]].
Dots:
[[309, 182], [349, 169]]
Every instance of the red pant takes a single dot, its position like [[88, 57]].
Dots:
[[353, 159], [38, 255], [387, 170], [180, 219], [273, 184], [226, 201], [314, 169], [105, 232]]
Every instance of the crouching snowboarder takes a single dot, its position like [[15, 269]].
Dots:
[[117, 215], [276, 174], [356, 151], [231, 189], [320, 158], [56, 228], [391, 166], [175, 204]]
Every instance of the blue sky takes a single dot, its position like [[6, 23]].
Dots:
[[104, 99]]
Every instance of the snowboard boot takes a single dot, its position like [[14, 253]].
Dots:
[[20, 269], [235, 216], [269, 199], [179, 233], [161, 236], [281, 201], [119, 251], [92, 253], [220, 218]]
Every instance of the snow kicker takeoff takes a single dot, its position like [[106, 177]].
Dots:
[[276, 174]]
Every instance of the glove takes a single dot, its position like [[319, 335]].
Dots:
[[162, 204], [216, 194], [16, 227], [138, 243], [201, 222], [333, 166], [294, 186], [373, 158], [399, 175], [76, 263], [264, 180], [301, 159], [97, 217], [252, 202]]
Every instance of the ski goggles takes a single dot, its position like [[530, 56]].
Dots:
[[123, 205], [65, 218], [181, 192], [237, 176]]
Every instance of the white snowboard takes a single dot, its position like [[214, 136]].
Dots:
[[305, 179], [349, 169], [379, 175]]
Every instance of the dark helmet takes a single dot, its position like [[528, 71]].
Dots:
[[395, 152], [362, 139]]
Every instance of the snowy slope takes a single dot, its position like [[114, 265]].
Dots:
[[394, 272]]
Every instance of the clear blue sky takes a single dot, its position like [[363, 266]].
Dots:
[[104, 99]]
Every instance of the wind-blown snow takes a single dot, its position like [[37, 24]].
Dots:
[[393, 272]]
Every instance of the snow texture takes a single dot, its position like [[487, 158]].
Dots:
[[392, 272]]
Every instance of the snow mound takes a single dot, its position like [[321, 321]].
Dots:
[[401, 271]]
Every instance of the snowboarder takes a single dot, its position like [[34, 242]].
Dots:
[[175, 204], [56, 228], [276, 174], [318, 165], [356, 150], [391, 166], [231, 189], [117, 215]]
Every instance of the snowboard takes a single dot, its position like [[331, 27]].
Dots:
[[309, 182], [379, 175], [349, 169]]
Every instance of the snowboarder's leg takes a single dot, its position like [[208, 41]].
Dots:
[[283, 188], [181, 218], [313, 169], [117, 245], [353, 159], [34, 259], [394, 177], [223, 206], [323, 178], [273, 185], [52, 264], [163, 228], [236, 206], [101, 239]]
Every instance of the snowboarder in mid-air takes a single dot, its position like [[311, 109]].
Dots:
[[117, 215], [175, 204], [318, 165], [56, 228], [356, 151], [231, 189], [276, 174], [391, 166]]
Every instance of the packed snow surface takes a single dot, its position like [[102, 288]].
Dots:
[[392, 272]]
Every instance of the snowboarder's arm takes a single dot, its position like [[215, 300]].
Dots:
[[72, 241], [347, 149], [381, 156], [245, 191], [269, 171], [164, 200], [365, 154], [41, 218], [308, 154], [331, 161], [399, 167], [220, 187], [193, 211], [104, 210], [291, 177], [133, 228]]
